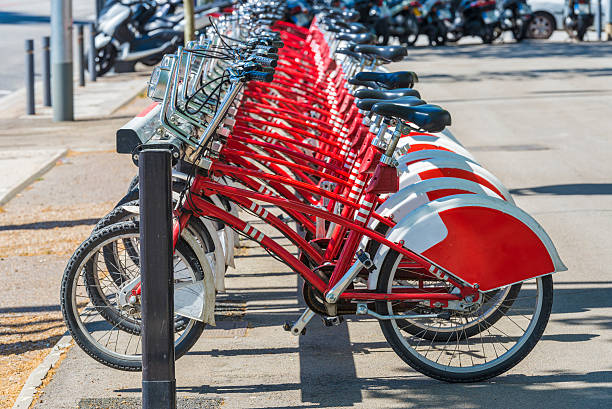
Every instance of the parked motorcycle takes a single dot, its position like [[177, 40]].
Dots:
[[404, 20], [141, 31], [478, 18], [578, 18], [437, 19], [515, 17]]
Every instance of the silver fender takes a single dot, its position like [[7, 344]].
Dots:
[[196, 300], [217, 257], [410, 174], [226, 235], [477, 239]]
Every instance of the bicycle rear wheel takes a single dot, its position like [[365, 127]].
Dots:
[[494, 347]]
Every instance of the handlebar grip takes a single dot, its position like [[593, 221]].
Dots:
[[266, 48], [264, 61], [260, 76], [262, 53]]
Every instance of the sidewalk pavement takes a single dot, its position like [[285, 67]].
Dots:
[[45, 213], [32, 144], [538, 117]]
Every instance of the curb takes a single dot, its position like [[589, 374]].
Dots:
[[48, 165], [29, 389]]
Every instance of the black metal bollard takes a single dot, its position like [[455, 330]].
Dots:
[[158, 382], [80, 55], [91, 55], [29, 76], [46, 41]]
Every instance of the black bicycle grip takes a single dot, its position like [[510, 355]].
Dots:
[[260, 76], [266, 48], [262, 53], [264, 61]]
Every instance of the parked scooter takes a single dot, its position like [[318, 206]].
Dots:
[[404, 20], [578, 18], [478, 18], [141, 31], [437, 19], [515, 17]]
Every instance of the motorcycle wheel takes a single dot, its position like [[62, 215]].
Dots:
[[519, 30], [497, 349], [105, 59], [487, 34], [454, 36], [441, 34], [582, 27], [577, 30], [412, 31]]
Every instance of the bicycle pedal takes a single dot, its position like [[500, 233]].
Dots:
[[332, 321]]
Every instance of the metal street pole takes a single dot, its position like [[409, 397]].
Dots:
[[91, 55], [189, 20], [80, 55], [61, 60], [46, 46], [598, 21], [609, 25], [99, 7], [29, 76]]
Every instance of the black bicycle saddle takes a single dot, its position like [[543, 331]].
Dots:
[[431, 118], [409, 101], [386, 94], [384, 52], [391, 80]]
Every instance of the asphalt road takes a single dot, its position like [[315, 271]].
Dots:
[[25, 19]]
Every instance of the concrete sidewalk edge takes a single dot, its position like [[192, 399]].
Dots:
[[34, 381], [44, 168]]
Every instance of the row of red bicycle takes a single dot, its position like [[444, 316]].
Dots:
[[305, 129]]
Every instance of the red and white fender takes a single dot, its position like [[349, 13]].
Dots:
[[434, 168], [399, 204], [419, 142], [417, 156], [478, 239]]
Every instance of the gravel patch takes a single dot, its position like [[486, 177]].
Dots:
[[25, 340]]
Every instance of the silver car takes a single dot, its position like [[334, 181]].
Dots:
[[548, 16]]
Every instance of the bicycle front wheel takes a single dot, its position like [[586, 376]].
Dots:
[[104, 326]]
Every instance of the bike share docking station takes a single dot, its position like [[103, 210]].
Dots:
[[157, 301]]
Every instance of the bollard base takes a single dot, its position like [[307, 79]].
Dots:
[[158, 394], [62, 92]]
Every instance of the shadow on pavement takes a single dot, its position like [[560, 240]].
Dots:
[[527, 49], [51, 224], [521, 74], [566, 189]]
